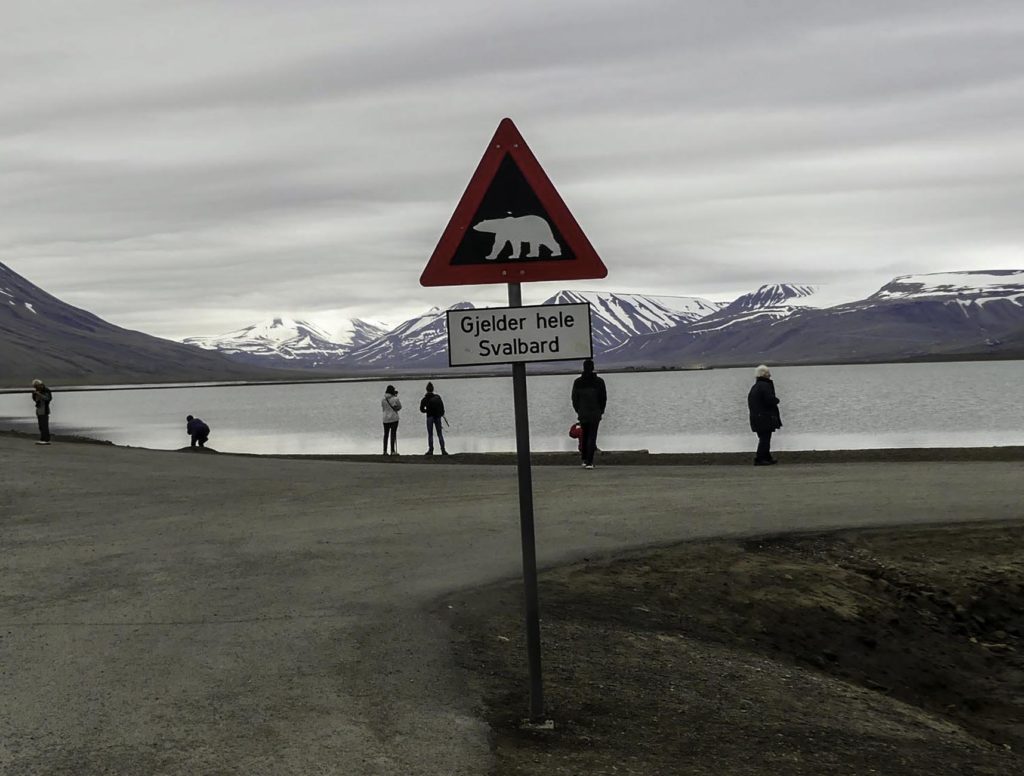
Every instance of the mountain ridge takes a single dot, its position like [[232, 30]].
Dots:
[[912, 317], [631, 329], [43, 337]]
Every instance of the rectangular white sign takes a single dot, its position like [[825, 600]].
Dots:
[[505, 335]]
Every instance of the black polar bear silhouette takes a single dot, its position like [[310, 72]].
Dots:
[[516, 230]]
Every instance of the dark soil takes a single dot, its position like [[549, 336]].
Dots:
[[893, 651]]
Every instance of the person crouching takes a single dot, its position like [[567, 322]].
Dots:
[[199, 431]]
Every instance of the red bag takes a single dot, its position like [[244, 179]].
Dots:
[[575, 431]]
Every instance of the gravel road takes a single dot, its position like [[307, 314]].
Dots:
[[173, 613]]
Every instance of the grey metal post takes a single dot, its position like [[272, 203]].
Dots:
[[515, 299]]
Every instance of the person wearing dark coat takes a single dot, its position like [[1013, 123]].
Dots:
[[199, 431], [764, 414], [42, 396], [589, 399], [432, 406]]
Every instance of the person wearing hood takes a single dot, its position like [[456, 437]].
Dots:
[[199, 431], [764, 414], [42, 396], [432, 406], [391, 404], [589, 399]]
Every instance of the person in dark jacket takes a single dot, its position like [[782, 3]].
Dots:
[[764, 414], [42, 396], [432, 406], [199, 431], [589, 399]]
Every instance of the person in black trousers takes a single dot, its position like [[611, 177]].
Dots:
[[589, 399], [42, 396], [764, 414], [432, 406], [391, 404], [199, 431]]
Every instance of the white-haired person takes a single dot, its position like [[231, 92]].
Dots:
[[42, 396], [764, 414]]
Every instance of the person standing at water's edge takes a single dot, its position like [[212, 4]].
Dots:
[[432, 406], [42, 396], [391, 404], [589, 399], [199, 431], [764, 414]]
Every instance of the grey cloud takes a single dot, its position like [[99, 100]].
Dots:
[[184, 168]]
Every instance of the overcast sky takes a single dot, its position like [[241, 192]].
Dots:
[[191, 167]]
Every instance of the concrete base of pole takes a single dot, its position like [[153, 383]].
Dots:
[[543, 726]]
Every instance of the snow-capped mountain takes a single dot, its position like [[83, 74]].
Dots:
[[614, 318], [297, 343], [769, 296], [423, 341], [287, 342], [911, 317], [979, 287], [356, 333], [418, 342], [771, 303]]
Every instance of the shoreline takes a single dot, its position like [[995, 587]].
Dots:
[[441, 373], [607, 457]]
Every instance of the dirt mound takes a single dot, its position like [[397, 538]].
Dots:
[[890, 651]]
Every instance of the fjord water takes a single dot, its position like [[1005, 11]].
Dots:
[[823, 407]]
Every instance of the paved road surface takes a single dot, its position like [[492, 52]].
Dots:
[[177, 613]]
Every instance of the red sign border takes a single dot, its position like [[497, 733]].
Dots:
[[507, 141]]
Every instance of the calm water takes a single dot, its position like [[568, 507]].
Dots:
[[828, 407]]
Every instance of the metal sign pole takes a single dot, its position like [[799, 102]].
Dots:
[[515, 299]]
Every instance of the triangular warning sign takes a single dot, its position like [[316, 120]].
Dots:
[[510, 225]]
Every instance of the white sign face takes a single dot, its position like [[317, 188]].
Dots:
[[504, 335]]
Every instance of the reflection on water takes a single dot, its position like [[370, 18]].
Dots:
[[834, 407]]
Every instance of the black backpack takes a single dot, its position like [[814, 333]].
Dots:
[[435, 407]]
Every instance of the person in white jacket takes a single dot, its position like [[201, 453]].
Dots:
[[391, 404]]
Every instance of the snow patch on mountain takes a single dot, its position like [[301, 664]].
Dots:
[[295, 342], [276, 338], [657, 308], [617, 317], [768, 303], [972, 286], [773, 302], [356, 332], [787, 295], [419, 340]]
